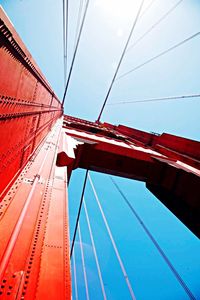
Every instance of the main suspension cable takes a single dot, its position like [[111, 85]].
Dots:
[[159, 55], [75, 51], [162, 253], [112, 241], [157, 99], [155, 25], [94, 250], [79, 212], [83, 263], [120, 61]]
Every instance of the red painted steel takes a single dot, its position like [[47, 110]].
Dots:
[[169, 165], [28, 106], [34, 239]]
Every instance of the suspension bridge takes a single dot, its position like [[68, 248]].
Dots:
[[40, 148]]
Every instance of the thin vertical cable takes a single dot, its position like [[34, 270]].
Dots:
[[75, 278], [112, 241], [83, 263], [79, 212], [78, 21], [94, 250], [65, 36], [121, 59], [67, 21], [75, 51], [164, 256], [64, 40]]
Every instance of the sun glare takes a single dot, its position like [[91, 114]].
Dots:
[[120, 9]]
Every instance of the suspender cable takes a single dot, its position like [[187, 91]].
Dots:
[[160, 54], [75, 51], [83, 263], [67, 20], [79, 212], [158, 99], [78, 21], [112, 241], [75, 278], [155, 24], [95, 252], [64, 40], [162, 253], [65, 36], [120, 61]]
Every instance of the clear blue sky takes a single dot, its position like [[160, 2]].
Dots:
[[39, 23]]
